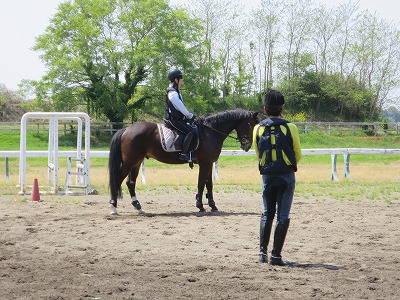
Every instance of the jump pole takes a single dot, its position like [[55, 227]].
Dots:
[[53, 142]]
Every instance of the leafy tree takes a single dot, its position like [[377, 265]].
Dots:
[[393, 113], [329, 97], [11, 105], [266, 34], [111, 57], [99, 51]]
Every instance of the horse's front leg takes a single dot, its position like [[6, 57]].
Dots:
[[131, 184], [204, 173], [209, 195]]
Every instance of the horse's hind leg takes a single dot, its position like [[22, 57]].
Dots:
[[209, 194], [131, 184], [205, 171]]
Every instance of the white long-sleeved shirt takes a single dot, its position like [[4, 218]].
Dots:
[[178, 103]]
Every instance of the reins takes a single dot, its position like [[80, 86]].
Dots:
[[245, 140], [223, 133]]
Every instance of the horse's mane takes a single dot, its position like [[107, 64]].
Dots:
[[225, 116]]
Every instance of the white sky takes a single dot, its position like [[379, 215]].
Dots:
[[23, 20]]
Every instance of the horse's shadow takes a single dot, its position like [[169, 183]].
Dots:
[[316, 266], [199, 214]]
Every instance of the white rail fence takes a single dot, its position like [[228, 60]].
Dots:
[[333, 152], [371, 128]]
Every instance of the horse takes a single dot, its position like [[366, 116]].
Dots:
[[131, 145]]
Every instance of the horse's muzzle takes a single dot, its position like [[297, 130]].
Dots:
[[246, 147]]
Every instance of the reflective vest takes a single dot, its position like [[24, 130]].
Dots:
[[273, 139]]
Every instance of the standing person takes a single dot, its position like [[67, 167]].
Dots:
[[277, 145], [178, 114]]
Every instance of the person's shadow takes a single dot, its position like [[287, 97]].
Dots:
[[309, 266]]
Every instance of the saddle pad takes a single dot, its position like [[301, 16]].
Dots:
[[169, 139]]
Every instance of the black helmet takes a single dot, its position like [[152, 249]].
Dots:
[[274, 100], [175, 73]]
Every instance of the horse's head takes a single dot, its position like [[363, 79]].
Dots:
[[244, 130], [243, 121]]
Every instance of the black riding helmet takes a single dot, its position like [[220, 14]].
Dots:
[[175, 73], [273, 98], [273, 102]]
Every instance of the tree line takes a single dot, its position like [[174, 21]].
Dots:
[[110, 58]]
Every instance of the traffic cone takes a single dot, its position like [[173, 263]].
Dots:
[[35, 191]]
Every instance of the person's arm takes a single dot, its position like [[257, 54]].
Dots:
[[255, 146], [296, 141], [178, 104]]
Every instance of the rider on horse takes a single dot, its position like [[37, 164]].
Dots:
[[178, 115]]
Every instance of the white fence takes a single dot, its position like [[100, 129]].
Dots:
[[370, 128], [333, 152]]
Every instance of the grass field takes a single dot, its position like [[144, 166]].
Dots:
[[372, 176]]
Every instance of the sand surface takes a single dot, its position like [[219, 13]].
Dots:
[[70, 247]]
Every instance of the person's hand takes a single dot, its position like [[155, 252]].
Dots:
[[192, 119]]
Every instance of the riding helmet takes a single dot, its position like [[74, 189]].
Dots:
[[273, 99], [175, 73]]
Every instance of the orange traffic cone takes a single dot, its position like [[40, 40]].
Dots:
[[35, 191]]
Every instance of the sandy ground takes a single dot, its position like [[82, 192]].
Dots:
[[71, 248]]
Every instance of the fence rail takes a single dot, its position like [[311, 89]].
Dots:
[[346, 152], [370, 128]]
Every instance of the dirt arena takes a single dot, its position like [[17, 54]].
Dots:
[[69, 247]]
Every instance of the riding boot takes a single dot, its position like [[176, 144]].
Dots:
[[279, 239], [265, 233], [185, 148]]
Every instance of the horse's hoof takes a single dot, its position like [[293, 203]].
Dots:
[[214, 208], [201, 209], [201, 213], [114, 211], [141, 211]]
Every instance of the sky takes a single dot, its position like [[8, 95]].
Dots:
[[21, 21]]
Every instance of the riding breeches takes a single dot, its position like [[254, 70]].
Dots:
[[277, 195]]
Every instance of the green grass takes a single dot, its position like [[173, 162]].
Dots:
[[234, 167], [349, 191], [101, 141], [348, 140], [10, 140]]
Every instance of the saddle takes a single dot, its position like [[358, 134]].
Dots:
[[172, 139]]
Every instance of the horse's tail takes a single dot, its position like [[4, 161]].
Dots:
[[115, 165]]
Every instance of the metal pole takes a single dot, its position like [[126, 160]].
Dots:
[[7, 170]]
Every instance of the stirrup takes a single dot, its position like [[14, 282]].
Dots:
[[187, 156], [184, 156]]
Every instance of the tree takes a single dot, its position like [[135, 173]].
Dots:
[[297, 28], [377, 54], [267, 30], [11, 105], [100, 51], [327, 24], [110, 58], [208, 12]]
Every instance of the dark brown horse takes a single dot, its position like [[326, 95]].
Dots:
[[131, 145]]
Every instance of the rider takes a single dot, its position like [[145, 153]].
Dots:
[[177, 113]]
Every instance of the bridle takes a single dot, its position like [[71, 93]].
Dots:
[[245, 140]]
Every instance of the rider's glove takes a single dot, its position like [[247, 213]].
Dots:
[[191, 120]]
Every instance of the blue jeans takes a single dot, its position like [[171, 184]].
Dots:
[[277, 195]]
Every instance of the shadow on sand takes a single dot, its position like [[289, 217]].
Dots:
[[317, 266]]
